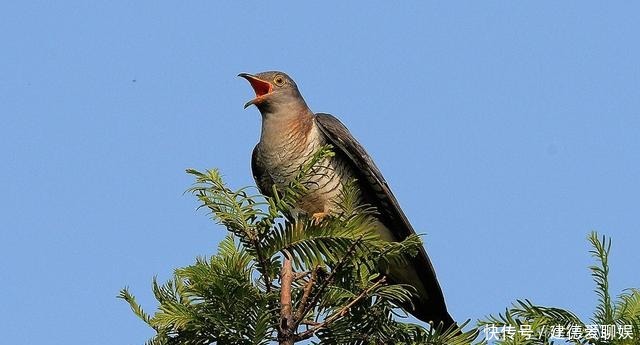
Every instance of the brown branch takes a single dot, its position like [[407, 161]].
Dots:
[[340, 313], [306, 292], [286, 330], [327, 282], [299, 275], [309, 323]]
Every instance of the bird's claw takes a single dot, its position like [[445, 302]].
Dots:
[[318, 217]]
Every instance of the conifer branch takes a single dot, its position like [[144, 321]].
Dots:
[[264, 272], [329, 280], [306, 292], [286, 330], [340, 313]]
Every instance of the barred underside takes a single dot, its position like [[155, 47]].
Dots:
[[282, 158]]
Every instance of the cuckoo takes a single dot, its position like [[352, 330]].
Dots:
[[291, 134]]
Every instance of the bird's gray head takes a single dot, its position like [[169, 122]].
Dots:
[[275, 91]]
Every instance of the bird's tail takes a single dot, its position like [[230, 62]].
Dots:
[[441, 319], [428, 303]]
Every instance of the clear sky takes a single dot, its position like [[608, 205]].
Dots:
[[507, 130]]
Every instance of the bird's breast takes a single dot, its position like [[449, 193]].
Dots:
[[282, 160]]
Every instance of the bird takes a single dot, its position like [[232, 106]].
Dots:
[[290, 135]]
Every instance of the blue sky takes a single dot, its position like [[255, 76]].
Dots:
[[508, 131]]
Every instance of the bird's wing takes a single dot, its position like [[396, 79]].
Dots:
[[368, 173], [260, 174], [378, 194]]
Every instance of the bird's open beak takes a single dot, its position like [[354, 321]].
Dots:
[[260, 87]]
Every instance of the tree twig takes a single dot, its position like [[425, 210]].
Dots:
[[309, 323], [263, 263], [340, 313], [306, 292], [286, 330], [327, 282], [299, 275]]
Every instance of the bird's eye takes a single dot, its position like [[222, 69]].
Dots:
[[279, 80]]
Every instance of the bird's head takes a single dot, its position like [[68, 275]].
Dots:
[[274, 90]]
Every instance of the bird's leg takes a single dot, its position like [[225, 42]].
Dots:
[[318, 217]]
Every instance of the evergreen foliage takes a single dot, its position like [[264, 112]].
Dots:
[[613, 323], [283, 277]]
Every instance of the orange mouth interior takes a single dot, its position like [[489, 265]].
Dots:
[[260, 87]]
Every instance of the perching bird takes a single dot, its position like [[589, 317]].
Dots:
[[291, 134]]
